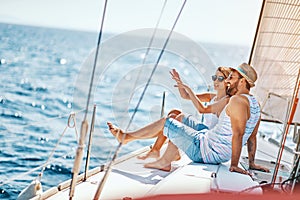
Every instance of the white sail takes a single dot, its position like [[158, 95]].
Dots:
[[276, 57]]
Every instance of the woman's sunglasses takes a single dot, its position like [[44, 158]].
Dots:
[[220, 78]]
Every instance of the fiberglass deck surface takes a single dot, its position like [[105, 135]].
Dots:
[[130, 179]]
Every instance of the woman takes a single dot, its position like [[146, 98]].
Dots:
[[211, 112]]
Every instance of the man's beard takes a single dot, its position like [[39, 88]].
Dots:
[[232, 89]]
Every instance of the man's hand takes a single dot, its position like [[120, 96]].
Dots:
[[259, 167], [239, 170]]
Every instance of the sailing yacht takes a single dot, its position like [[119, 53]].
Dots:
[[275, 55]]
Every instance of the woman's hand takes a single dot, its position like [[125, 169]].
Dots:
[[184, 86], [175, 75], [183, 92]]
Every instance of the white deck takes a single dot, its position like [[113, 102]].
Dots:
[[129, 178]]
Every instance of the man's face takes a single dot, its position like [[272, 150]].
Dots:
[[232, 82]]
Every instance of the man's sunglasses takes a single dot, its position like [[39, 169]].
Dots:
[[220, 78]]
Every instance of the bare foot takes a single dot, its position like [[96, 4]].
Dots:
[[151, 154], [117, 132], [159, 165]]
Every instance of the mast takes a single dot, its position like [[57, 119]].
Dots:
[[256, 32]]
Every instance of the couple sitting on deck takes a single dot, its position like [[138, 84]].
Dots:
[[235, 122]]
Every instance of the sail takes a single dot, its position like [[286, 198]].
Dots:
[[276, 57]]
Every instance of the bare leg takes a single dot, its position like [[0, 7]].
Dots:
[[164, 163], [155, 150], [150, 131], [161, 139]]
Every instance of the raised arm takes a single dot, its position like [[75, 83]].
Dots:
[[205, 97], [213, 108], [175, 76]]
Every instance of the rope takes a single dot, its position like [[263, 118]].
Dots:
[[72, 117]]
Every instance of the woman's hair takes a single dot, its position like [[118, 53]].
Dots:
[[224, 70]]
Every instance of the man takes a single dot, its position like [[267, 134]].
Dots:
[[238, 124], [244, 112]]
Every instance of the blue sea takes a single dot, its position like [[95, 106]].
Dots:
[[45, 78]]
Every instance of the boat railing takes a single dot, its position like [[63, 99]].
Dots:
[[295, 173], [270, 106]]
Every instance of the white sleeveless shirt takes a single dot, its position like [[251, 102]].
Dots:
[[216, 143], [210, 119]]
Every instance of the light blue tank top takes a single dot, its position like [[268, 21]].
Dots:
[[217, 143]]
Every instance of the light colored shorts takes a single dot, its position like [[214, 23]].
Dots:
[[185, 135]]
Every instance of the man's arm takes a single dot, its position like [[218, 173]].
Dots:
[[238, 110], [251, 147]]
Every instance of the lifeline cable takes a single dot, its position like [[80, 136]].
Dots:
[[50, 157]]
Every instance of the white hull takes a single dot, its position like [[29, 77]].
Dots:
[[129, 178]]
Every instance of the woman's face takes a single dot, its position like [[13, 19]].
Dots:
[[219, 81]]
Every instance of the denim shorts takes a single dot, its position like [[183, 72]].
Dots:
[[185, 135]]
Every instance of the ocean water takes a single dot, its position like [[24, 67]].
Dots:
[[45, 76]]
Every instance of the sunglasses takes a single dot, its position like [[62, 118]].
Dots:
[[220, 78]]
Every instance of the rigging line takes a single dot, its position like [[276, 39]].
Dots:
[[69, 125], [95, 61], [31, 170], [48, 120], [149, 47], [101, 185], [155, 67], [43, 166], [144, 60], [291, 112]]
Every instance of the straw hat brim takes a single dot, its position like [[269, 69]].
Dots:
[[245, 76]]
